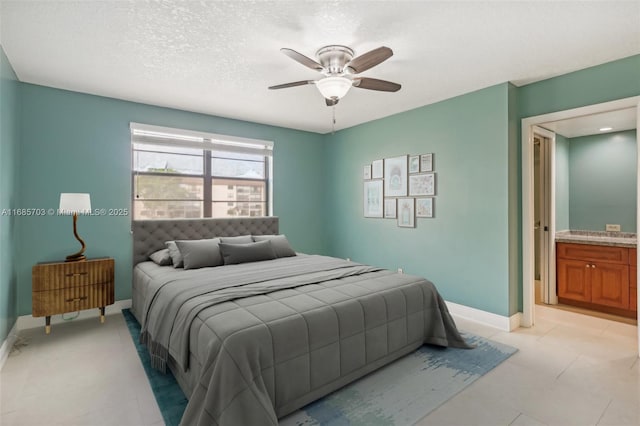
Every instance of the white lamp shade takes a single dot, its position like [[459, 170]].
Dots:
[[74, 203], [334, 87]]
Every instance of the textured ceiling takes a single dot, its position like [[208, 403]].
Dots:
[[219, 57]]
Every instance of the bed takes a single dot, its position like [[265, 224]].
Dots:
[[252, 342]]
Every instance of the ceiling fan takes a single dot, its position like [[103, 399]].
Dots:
[[339, 68]]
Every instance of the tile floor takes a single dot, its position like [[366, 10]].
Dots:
[[571, 369], [83, 373]]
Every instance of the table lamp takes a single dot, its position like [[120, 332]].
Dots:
[[73, 203]]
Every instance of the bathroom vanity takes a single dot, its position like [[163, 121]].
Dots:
[[597, 270]]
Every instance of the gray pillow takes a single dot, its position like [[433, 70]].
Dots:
[[244, 253], [174, 252], [161, 257], [242, 239], [280, 244], [200, 253]]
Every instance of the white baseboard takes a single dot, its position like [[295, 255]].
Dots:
[[486, 318], [515, 321], [28, 321], [5, 349]]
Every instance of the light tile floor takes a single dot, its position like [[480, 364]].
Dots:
[[83, 373], [571, 369]]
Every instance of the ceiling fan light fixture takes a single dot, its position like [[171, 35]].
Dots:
[[337, 64], [334, 87]]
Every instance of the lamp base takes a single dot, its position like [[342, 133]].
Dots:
[[76, 258]]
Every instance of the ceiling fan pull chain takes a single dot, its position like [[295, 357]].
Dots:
[[333, 121]]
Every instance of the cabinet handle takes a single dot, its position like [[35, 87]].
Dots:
[[593, 266], [75, 274], [587, 266], [77, 299]]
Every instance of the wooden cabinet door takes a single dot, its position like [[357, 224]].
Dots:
[[573, 280], [610, 284]]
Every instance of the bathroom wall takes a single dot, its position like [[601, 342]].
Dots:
[[602, 181]]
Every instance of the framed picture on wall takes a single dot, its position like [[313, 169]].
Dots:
[[366, 172], [414, 164], [406, 212], [426, 163], [390, 208], [422, 184], [395, 176], [424, 207], [377, 169], [373, 198]]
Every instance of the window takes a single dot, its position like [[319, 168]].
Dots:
[[184, 174]]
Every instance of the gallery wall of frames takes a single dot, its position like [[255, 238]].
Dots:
[[401, 188]]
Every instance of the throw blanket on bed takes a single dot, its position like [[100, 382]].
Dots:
[[273, 336]]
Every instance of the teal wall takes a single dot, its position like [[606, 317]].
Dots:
[[465, 249], [602, 181], [515, 204], [471, 249], [73, 142], [607, 82], [562, 183], [9, 153]]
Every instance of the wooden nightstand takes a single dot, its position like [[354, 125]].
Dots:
[[61, 287]]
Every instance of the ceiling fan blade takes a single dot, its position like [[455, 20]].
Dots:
[[304, 60], [294, 84], [375, 84], [331, 102], [369, 59]]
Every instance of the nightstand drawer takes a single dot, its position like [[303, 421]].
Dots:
[[46, 303], [57, 276]]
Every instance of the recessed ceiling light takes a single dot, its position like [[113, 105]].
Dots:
[[606, 129]]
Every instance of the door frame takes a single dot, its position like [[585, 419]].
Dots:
[[528, 246], [548, 270]]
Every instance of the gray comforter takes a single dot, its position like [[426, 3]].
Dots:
[[285, 332]]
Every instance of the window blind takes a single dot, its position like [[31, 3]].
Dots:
[[158, 135]]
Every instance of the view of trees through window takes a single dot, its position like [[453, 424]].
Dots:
[[174, 182]]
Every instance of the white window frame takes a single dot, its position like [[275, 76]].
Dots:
[[208, 142]]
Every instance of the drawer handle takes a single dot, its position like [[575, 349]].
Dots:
[[77, 299], [76, 274]]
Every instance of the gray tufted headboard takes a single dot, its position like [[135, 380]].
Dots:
[[150, 235]]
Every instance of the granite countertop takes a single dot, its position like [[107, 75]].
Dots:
[[602, 238]]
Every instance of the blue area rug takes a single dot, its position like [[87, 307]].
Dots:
[[406, 390], [399, 394], [169, 396]]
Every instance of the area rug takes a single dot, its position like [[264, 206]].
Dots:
[[169, 396], [399, 394]]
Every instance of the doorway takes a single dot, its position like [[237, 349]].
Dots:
[[529, 191], [543, 141], [589, 165]]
